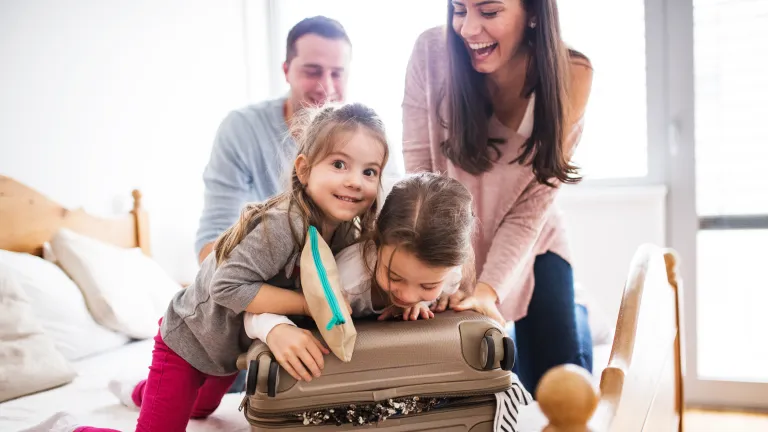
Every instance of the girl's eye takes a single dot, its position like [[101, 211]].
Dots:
[[370, 172], [430, 287], [339, 164], [394, 279], [489, 14]]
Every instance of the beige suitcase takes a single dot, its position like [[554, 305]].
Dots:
[[438, 374]]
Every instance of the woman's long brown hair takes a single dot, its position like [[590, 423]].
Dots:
[[548, 76], [318, 132]]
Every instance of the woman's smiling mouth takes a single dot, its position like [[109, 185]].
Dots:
[[482, 50]]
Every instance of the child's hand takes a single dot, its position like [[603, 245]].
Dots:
[[445, 302], [297, 350], [418, 310], [411, 313]]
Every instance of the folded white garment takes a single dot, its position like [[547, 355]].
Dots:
[[508, 405]]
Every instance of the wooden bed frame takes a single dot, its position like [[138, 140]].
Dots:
[[28, 219], [640, 390]]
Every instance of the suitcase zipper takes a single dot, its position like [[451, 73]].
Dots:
[[293, 419], [256, 412], [333, 303]]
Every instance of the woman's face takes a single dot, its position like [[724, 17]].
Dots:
[[492, 30]]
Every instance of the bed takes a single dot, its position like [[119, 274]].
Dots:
[[637, 385]]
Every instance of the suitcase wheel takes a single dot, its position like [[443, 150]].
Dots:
[[509, 354], [488, 347], [272, 381], [250, 378]]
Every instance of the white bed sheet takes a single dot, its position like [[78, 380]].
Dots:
[[89, 401], [533, 420]]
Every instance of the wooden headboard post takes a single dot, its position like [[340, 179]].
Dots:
[[29, 219], [671, 260], [142, 223]]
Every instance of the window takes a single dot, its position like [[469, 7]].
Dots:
[[614, 143], [612, 35], [731, 187], [731, 93]]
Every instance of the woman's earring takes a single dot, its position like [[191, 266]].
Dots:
[[532, 24]]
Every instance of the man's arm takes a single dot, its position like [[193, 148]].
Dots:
[[227, 182]]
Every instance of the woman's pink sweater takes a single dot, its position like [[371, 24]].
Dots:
[[516, 218]]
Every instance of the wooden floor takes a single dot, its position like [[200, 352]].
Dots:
[[724, 421]]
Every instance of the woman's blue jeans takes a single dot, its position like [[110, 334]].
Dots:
[[556, 330]]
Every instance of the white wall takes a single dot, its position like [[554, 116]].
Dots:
[[605, 227], [98, 97], [101, 96]]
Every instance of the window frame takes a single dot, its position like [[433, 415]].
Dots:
[[683, 220]]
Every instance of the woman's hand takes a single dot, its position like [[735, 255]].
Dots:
[[411, 313], [297, 350], [483, 301]]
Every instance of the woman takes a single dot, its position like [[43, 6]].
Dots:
[[496, 100]]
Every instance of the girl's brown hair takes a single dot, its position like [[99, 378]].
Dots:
[[548, 76], [430, 216], [318, 132]]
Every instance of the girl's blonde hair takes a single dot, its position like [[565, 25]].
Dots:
[[429, 215], [318, 132]]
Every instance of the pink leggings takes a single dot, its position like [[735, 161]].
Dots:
[[173, 393]]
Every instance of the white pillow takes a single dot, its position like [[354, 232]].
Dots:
[[125, 290], [600, 325], [59, 306], [29, 361]]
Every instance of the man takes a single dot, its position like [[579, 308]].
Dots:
[[252, 147]]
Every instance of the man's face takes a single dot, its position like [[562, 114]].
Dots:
[[318, 73]]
